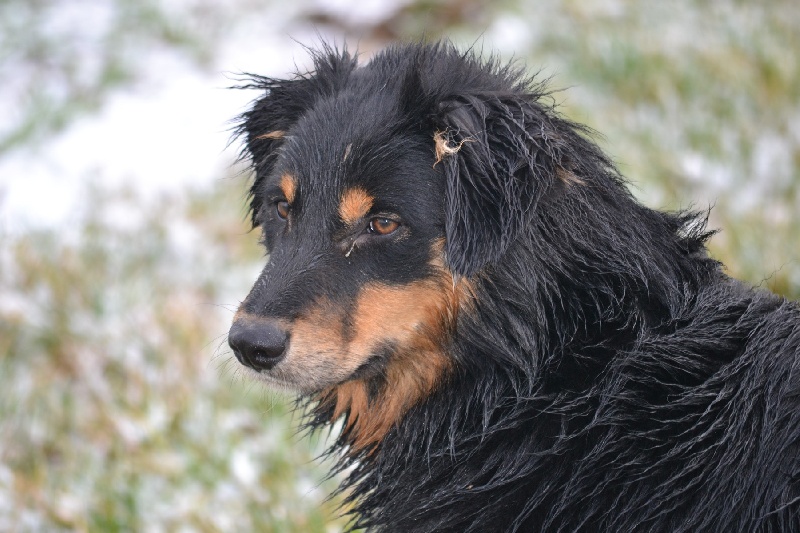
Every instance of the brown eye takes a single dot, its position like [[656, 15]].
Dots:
[[382, 226], [282, 208]]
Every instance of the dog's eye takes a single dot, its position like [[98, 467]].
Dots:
[[282, 209], [383, 226]]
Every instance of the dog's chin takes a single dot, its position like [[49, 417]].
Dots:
[[272, 381], [279, 379]]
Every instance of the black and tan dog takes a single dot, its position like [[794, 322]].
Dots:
[[512, 342]]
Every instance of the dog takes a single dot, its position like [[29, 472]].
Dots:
[[461, 284]]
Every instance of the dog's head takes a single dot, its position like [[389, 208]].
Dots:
[[382, 192]]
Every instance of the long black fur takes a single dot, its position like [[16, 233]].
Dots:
[[608, 375]]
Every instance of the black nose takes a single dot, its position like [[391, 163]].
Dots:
[[259, 344]]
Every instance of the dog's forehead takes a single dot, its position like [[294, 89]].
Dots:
[[353, 142]]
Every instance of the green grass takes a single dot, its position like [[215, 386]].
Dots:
[[121, 410]]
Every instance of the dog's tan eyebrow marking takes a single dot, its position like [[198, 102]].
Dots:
[[277, 134], [356, 203], [289, 187]]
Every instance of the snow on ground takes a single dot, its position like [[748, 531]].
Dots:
[[171, 130]]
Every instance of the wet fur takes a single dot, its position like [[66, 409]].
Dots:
[[605, 374]]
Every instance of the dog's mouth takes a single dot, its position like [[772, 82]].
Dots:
[[308, 373], [272, 379]]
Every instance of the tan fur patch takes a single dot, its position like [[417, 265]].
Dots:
[[277, 134], [351, 398], [463, 293], [317, 350], [289, 187], [355, 203], [410, 377], [418, 318], [243, 316], [240, 314], [568, 177]]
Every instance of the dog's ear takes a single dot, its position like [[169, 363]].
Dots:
[[266, 125], [498, 154]]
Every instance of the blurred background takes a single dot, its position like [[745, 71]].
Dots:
[[124, 248]]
